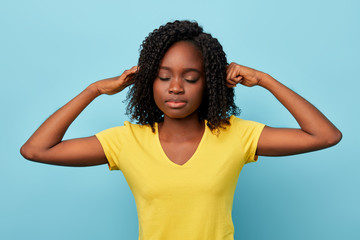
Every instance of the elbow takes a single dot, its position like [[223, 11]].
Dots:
[[27, 153], [334, 139]]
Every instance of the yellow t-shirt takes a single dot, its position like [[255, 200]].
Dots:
[[192, 201]]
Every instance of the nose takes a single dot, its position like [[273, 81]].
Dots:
[[176, 86]]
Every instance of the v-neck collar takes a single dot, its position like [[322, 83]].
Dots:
[[189, 162]]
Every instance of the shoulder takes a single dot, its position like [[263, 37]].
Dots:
[[126, 130], [235, 123], [243, 127], [138, 128], [242, 123]]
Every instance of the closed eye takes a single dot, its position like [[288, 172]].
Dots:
[[191, 81], [164, 79]]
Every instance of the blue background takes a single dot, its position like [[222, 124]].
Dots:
[[52, 50]]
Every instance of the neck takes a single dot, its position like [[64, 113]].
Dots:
[[181, 128]]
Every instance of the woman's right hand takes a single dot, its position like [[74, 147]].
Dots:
[[114, 85]]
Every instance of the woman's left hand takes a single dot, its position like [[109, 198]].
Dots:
[[246, 76]]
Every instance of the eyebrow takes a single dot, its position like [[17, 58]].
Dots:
[[186, 69]]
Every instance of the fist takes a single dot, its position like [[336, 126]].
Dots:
[[246, 76], [114, 85]]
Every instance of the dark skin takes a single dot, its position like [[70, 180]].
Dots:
[[181, 131], [181, 77], [316, 131]]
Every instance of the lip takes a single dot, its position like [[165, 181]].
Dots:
[[175, 103]]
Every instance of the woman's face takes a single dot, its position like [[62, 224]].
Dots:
[[179, 87]]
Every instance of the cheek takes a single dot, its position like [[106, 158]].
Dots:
[[200, 93], [200, 97], [156, 93]]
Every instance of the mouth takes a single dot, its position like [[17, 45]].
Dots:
[[175, 103]]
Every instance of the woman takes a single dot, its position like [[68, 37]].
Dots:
[[183, 158]]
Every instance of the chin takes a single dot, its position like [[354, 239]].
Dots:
[[179, 115]]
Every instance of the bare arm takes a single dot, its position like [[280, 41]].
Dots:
[[316, 131], [46, 144]]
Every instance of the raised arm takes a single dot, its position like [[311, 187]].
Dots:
[[46, 145], [316, 131]]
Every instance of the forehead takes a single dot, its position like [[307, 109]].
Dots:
[[183, 55]]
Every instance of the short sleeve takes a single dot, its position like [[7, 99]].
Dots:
[[112, 141], [249, 133]]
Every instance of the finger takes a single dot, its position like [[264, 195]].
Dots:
[[236, 70], [130, 71], [130, 76], [135, 68], [229, 67], [230, 85], [126, 74], [128, 82], [238, 79], [231, 81], [228, 73], [231, 74]]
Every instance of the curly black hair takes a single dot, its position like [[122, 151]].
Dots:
[[218, 101]]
